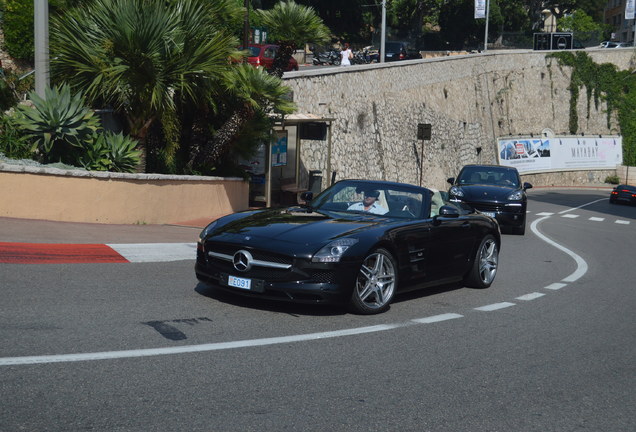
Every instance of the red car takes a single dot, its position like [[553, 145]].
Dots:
[[263, 55]]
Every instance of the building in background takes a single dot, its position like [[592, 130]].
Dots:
[[614, 15]]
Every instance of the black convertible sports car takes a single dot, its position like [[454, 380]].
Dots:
[[495, 191], [358, 242]]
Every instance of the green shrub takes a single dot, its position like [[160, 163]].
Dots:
[[110, 152], [13, 144], [59, 125], [612, 179]]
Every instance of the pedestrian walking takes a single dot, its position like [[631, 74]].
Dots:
[[346, 55]]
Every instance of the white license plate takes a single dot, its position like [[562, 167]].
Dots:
[[491, 214], [238, 282]]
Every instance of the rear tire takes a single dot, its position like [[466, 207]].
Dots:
[[375, 284], [484, 268]]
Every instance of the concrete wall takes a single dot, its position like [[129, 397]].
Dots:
[[470, 100], [116, 198]]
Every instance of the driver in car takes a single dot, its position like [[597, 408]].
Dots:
[[369, 203]]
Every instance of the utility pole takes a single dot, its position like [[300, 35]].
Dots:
[[246, 24], [383, 33], [486, 35], [41, 37]]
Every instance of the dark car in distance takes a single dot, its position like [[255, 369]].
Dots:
[[623, 194], [263, 55], [397, 50], [330, 250], [495, 191]]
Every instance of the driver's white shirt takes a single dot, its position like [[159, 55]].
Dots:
[[375, 208]]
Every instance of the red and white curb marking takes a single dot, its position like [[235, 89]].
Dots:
[[55, 253]]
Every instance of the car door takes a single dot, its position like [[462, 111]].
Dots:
[[451, 244]]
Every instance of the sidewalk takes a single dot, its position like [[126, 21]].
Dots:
[[41, 231]]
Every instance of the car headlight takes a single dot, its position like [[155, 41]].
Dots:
[[516, 196], [334, 250], [207, 230], [456, 191]]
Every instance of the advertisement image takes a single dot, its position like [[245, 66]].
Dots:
[[560, 153]]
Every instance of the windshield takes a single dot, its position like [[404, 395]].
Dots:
[[396, 201], [488, 176], [253, 51]]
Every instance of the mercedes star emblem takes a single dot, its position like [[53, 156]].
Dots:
[[242, 260]]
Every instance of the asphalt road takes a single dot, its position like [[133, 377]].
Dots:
[[549, 347]]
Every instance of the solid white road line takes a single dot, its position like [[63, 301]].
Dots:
[[581, 265], [156, 252], [583, 205], [63, 358]]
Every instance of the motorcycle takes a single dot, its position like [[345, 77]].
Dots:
[[326, 57]]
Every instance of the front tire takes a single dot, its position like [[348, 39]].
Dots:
[[375, 284], [484, 268]]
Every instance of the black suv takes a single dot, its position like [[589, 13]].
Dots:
[[495, 191], [397, 50]]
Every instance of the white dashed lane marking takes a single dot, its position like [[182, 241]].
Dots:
[[555, 286], [622, 222], [597, 219], [437, 318], [531, 296], [570, 216], [494, 306]]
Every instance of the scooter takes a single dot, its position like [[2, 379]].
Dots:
[[327, 57]]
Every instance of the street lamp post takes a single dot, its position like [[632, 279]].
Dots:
[[383, 34], [486, 35], [41, 37]]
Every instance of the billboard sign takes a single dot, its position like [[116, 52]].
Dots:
[[529, 154]]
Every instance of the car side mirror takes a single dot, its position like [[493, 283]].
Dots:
[[446, 211], [451, 180], [527, 185]]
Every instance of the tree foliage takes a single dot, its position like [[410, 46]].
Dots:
[[17, 24]]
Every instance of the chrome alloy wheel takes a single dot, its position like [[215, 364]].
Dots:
[[375, 284], [488, 260]]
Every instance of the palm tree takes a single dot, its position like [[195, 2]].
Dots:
[[250, 94], [292, 25], [145, 58]]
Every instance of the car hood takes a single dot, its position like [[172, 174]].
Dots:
[[289, 227], [480, 192]]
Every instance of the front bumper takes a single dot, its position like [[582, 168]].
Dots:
[[310, 283]]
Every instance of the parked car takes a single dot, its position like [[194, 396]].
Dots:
[[495, 191], [623, 194], [398, 50], [609, 44], [263, 55], [330, 250]]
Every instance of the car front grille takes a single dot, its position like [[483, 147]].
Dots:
[[489, 207], [230, 249]]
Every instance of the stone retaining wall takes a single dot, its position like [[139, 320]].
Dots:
[[470, 101]]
